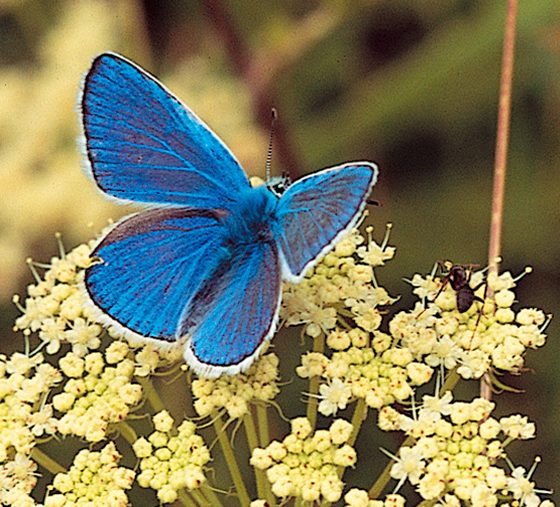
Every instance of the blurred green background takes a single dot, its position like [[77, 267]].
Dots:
[[412, 85]]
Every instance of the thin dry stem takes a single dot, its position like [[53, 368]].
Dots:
[[241, 57], [500, 163]]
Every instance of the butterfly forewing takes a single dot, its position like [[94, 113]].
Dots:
[[317, 210], [144, 145]]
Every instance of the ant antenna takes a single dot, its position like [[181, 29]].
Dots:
[[269, 153]]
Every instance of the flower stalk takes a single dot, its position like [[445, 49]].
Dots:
[[47, 462], [314, 382], [229, 456], [500, 161]]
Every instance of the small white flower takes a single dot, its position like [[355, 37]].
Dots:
[[334, 396], [522, 488], [441, 405], [409, 465]]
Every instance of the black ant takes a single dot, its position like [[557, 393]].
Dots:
[[459, 276]]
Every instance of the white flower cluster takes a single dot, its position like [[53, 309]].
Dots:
[[305, 464], [234, 393], [379, 374], [93, 477], [25, 383], [99, 391], [171, 459], [59, 311], [455, 452], [343, 282], [340, 299], [486, 336], [55, 307]]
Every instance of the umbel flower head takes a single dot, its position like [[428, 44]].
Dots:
[[234, 393], [342, 301], [343, 283], [487, 336], [93, 475], [57, 310], [453, 450], [55, 306], [99, 391], [305, 463], [457, 449], [25, 382], [171, 459]]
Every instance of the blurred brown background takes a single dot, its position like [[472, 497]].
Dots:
[[412, 85]]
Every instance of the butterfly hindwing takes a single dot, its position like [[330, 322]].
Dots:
[[317, 210], [144, 145], [151, 265], [235, 313]]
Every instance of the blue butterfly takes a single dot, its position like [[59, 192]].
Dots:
[[205, 263]]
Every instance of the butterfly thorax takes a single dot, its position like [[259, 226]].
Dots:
[[252, 221]]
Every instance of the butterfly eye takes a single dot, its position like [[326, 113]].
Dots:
[[279, 184]]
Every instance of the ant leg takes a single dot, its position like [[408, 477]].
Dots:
[[440, 290], [482, 302]]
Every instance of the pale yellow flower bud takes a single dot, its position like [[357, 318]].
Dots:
[[158, 439], [419, 373], [338, 340], [345, 456], [166, 494], [356, 498], [116, 352], [94, 363], [163, 421], [331, 488], [63, 483], [63, 401], [340, 431], [261, 459], [142, 447], [301, 427]]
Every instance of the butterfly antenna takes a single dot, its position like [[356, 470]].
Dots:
[[269, 153]]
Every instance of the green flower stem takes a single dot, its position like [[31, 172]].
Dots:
[[313, 403], [127, 432], [262, 484], [187, 501], [151, 394], [262, 419], [46, 461], [231, 461], [211, 497], [199, 498], [360, 414], [382, 481], [450, 382], [427, 503]]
